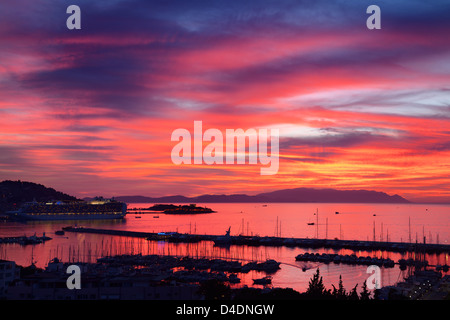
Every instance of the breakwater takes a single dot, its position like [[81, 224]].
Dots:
[[228, 240], [24, 240], [345, 259], [169, 262]]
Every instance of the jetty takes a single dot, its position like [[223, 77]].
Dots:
[[345, 259], [24, 240], [312, 243]]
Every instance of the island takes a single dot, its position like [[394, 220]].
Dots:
[[181, 209]]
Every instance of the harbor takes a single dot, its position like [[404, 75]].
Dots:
[[239, 240], [248, 233]]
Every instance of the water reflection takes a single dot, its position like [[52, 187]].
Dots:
[[354, 221]]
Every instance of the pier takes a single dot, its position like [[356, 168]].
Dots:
[[273, 241], [24, 240]]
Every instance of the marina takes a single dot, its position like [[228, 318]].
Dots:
[[274, 241], [252, 233]]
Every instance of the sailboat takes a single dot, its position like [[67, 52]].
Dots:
[[312, 223], [223, 240], [263, 281]]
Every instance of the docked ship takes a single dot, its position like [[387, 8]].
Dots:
[[98, 208]]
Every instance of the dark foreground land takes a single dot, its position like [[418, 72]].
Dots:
[[154, 277]]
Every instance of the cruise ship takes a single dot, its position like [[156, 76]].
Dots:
[[71, 210]]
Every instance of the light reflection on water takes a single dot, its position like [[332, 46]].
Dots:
[[396, 222]]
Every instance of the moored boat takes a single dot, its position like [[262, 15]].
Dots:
[[263, 281], [98, 208]]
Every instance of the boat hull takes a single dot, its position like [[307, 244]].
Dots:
[[94, 210], [24, 216]]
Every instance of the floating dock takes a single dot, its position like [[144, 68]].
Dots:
[[273, 241], [24, 240]]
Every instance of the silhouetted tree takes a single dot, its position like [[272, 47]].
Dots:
[[316, 286], [365, 294], [316, 289], [215, 290], [353, 295], [339, 293]]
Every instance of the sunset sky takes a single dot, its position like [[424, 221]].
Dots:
[[91, 111]]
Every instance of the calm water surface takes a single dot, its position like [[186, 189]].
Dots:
[[393, 222]]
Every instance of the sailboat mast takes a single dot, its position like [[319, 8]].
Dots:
[[374, 239], [317, 224], [409, 228], [276, 228]]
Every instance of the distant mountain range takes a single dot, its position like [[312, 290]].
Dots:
[[285, 195], [13, 193]]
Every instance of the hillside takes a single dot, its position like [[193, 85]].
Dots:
[[13, 193]]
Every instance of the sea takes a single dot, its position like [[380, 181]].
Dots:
[[379, 222]]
